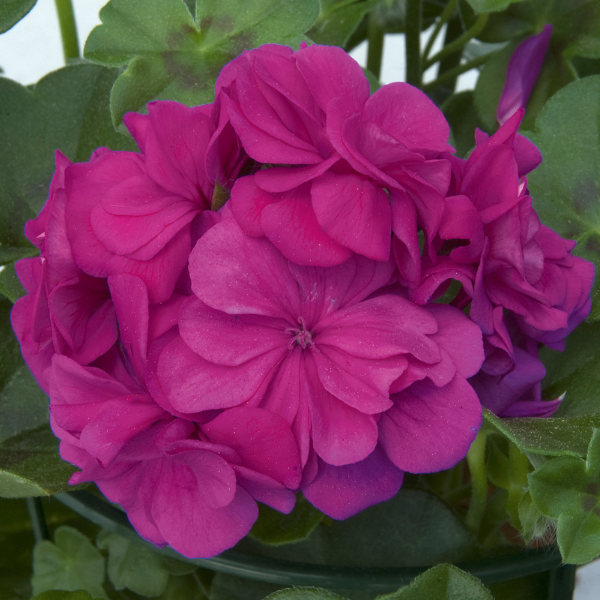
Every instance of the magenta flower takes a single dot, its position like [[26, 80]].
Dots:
[[518, 275], [345, 168], [132, 213], [324, 348], [522, 73], [66, 311]]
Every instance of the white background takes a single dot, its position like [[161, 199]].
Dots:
[[33, 48]]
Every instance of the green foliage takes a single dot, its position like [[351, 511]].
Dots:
[[485, 6], [70, 563], [550, 437], [443, 582], [304, 594], [338, 20], [566, 186], [12, 11], [172, 55], [61, 595], [460, 112], [568, 489], [275, 528]]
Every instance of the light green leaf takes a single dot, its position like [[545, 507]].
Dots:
[[304, 594], [171, 55], [566, 186], [10, 286], [133, 566], [578, 537], [443, 582], [71, 563], [275, 528], [551, 437], [12, 11], [486, 6]]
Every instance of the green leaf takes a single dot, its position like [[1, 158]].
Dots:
[[67, 110], [414, 528], [171, 55], [71, 563], [304, 594], [578, 537], [338, 20], [275, 528], [575, 371], [551, 437], [566, 186], [30, 465], [12, 11], [462, 117], [10, 286], [133, 566], [62, 595], [486, 6], [443, 582]]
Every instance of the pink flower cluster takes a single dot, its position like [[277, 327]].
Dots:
[[201, 361]]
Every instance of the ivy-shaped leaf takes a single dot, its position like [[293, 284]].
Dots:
[[173, 55], [443, 582], [71, 563], [62, 595], [12, 11], [566, 187], [306, 593], [568, 489]]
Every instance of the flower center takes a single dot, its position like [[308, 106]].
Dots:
[[301, 336]]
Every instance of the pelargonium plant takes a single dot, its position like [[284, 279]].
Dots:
[[281, 288]]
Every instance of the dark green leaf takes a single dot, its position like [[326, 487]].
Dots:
[[10, 286], [61, 595], [133, 566], [12, 11], [443, 582], [304, 594], [71, 563], [575, 371], [462, 117], [414, 528], [171, 55], [338, 20], [551, 437], [31, 466], [566, 186], [275, 528], [532, 587]]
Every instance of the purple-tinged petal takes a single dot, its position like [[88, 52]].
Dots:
[[247, 203], [341, 492], [353, 212], [265, 489], [430, 429], [522, 73], [405, 243], [282, 179]]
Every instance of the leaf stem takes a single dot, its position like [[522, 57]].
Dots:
[[456, 71], [68, 29], [413, 42], [375, 51], [459, 42], [38, 521], [446, 14], [479, 483]]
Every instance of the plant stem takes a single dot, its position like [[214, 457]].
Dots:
[[375, 51], [38, 521], [479, 489], [453, 73], [446, 14], [458, 43], [68, 29], [413, 42]]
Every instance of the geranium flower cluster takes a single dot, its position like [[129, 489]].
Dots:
[[303, 336]]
